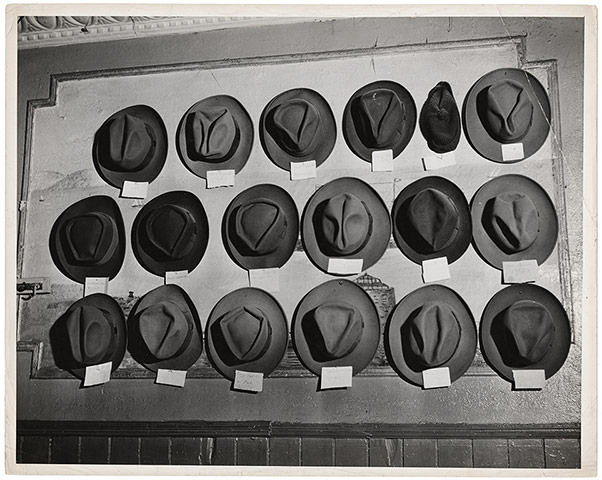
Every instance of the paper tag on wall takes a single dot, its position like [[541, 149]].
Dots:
[[220, 178], [267, 279], [524, 271], [97, 374], [345, 266], [134, 189], [435, 269], [529, 379], [176, 278], [336, 377], [248, 381], [303, 170], [175, 378], [95, 285], [512, 151], [436, 378], [439, 161], [382, 161]]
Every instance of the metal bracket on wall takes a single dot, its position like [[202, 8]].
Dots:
[[27, 288]]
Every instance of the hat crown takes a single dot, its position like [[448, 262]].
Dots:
[[213, 134], [295, 126], [91, 238], [440, 119], [515, 221], [509, 111], [171, 229], [131, 144], [379, 118], [246, 332], [340, 325], [164, 329], [260, 226], [346, 224], [90, 334]]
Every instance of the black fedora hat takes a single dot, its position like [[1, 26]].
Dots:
[[91, 332], [170, 233], [130, 145], [164, 330], [513, 219], [246, 331], [431, 219], [430, 327], [336, 324], [88, 239], [327, 233], [507, 105], [379, 116], [297, 126], [260, 227], [525, 327], [215, 133], [440, 119]]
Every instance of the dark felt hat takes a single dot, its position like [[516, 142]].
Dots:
[[247, 331], [513, 219], [440, 119], [346, 218], [431, 219], [88, 239], [164, 330], [336, 325], [170, 233], [297, 126], [130, 145], [216, 133], [431, 327], [261, 227], [92, 331], [525, 327], [507, 105], [379, 116]]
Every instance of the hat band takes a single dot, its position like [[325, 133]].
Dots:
[[105, 243]]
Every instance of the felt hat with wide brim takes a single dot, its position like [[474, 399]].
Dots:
[[400, 231], [378, 241], [100, 204], [462, 358], [172, 294], [286, 244], [59, 342], [547, 235], [274, 314], [243, 122], [327, 132], [334, 291], [504, 299], [352, 138], [155, 164], [477, 135], [193, 205]]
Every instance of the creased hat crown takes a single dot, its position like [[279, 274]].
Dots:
[[514, 221], [130, 144], [340, 326], [90, 239], [91, 335], [171, 230], [295, 125], [247, 332], [260, 226], [212, 134], [164, 329], [379, 118]]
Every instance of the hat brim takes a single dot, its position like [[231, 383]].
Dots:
[[286, 245], [265, 302], [189, 262], [505, 298], [155, 164], [333, 291], [378, 242], [110, 268], [350, 133], [175, 294], [462, 240], [467, 346], [245, 125], [328, 130], [545, 242], [475, 132]]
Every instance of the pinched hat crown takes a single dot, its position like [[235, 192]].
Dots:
[[131, 144], [440, 119], [171, 231], [164, 329], [247, 332], [90, 239], [91, 335], [379, 118], [294, 126], [340, 326], [212, 134], [515, 221], [260, 226]]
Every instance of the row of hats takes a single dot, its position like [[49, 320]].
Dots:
[[523, 327], [511, 218], [505, 106]]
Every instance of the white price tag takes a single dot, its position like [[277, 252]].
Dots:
[[345, 266], [175, 378], [267, 279], [248, 381], [382, 161], [134, 189], [529, 379], [436, 378], [335, 377], [220, 178], [95, 285], [303, 170], [176, 278], [435, 269], [439, 161], [512, 151], [97, 374], [524, 271]]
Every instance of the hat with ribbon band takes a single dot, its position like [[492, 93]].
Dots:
[[440, 119]]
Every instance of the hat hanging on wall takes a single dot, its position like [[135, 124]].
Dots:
[[91, 332], [297, 126], [431, 327], [336, 324], [130, 145], [260, 227], [216, 133], [431, 219], [164, 330], [170, 233], [88, 239], [525, 327], [246, 331], [345, 218], [440, 119], [506, 106], [513, 219], [379, 116]]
